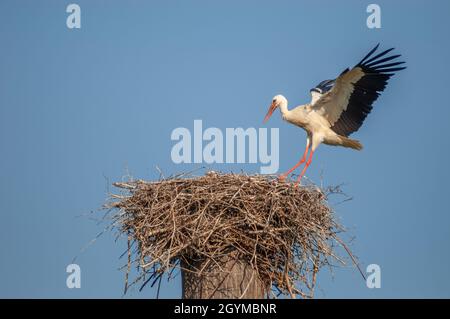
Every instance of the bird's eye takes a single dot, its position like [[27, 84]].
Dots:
[[273, 100]]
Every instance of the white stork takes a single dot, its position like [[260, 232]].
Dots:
[[338, 107]]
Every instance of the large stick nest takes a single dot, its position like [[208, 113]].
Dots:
[[285, 233]]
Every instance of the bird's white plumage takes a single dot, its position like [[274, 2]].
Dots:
[[315, 96]]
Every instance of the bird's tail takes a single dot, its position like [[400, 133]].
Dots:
[[348, 142]]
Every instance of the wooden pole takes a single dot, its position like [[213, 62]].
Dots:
[[236, 280]]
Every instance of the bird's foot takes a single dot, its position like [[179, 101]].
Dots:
[[299, 181]]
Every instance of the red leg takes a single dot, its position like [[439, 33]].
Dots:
[[305, 168], [302, 160]]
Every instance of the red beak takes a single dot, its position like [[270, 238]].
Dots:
[[272, 108]]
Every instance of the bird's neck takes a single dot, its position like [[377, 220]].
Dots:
[[284, 109]]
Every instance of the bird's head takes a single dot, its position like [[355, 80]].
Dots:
[[276, 102]]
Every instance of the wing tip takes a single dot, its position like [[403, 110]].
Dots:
[[371, 59]]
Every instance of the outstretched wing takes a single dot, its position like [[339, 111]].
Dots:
[[350, 99]]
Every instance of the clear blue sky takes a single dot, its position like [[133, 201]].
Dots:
[[77, 106]]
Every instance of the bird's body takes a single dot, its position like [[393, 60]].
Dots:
[[338, 107], [316, 126]]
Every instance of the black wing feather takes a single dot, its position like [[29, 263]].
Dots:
[[377, 62], [369, 54], [367, 90], [378, 56]]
